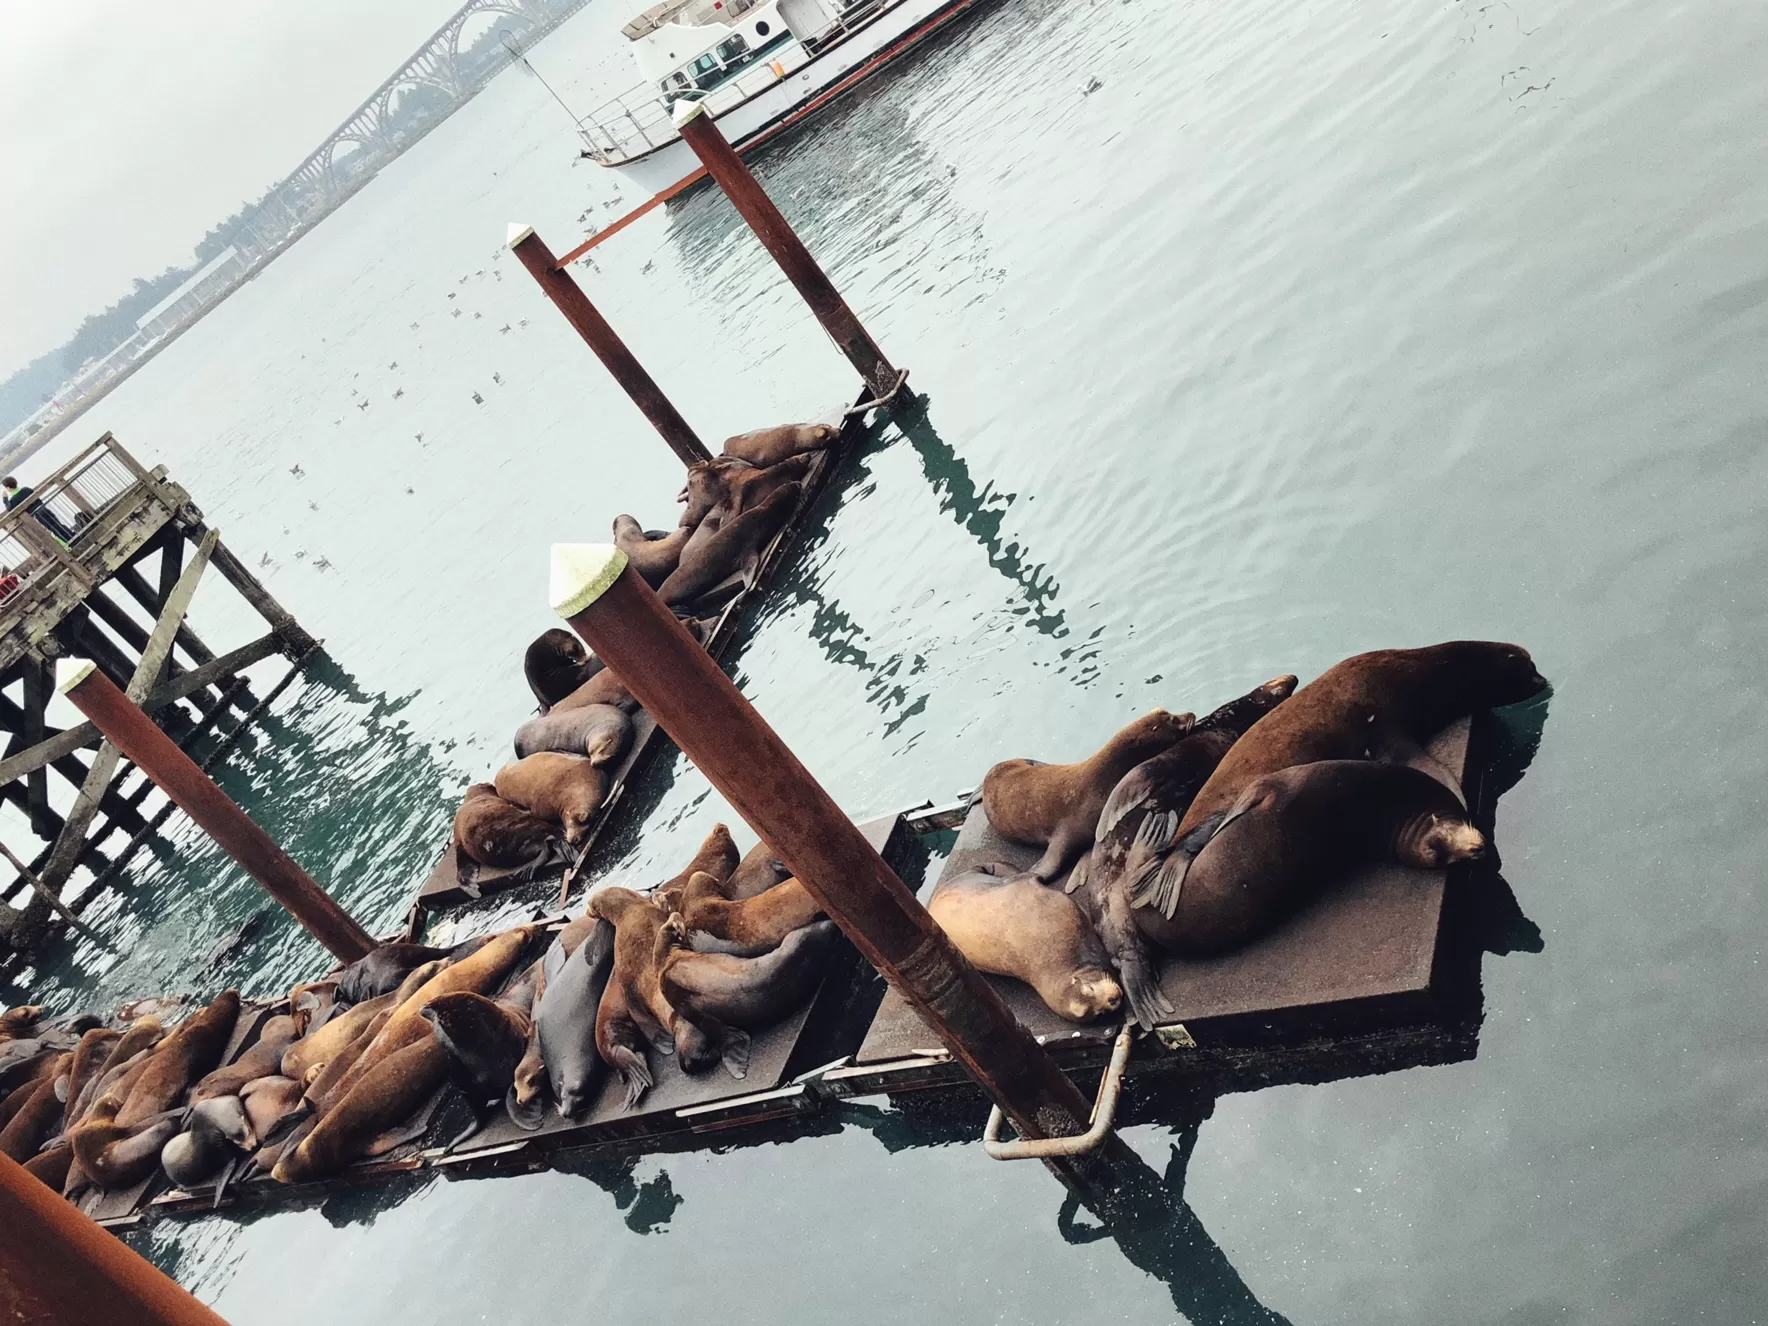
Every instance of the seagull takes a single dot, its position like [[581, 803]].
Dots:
[[478, 399], [497, 378], [420, 437], [296, 470], [501, 330], [399, 393], [363, 404], [395, 363], [322, 564], [264, 560], [313, 506]]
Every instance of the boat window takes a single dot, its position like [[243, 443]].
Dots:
[[732, 49], [761, 28], [705, 64]]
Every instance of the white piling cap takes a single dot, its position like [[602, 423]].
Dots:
[[70, 672], [581, 574], [685, 111], [517, 233]]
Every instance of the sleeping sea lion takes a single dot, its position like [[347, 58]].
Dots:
[[16, 1021], [110, 1155], [566, 1025], [653, 559], [756, 873], [263, 1058], [35, 1121], [270, 1100], [727, 994], [324, 1076], [1059, 804], [1011, 925], [385, 968], [1292, 834], [598, 731], [557, 664], [89, 1060], [639, 946], [1137, 828], [189, 1052], [51, 1166], [1382, 705], [19, 1059], [756, 925], [378, 1103], [492, 832], [717, 857], [707, 488], [485, 1040], [735, 548], [319, 1046], [748, 488], [219, 1130], [605, 688], [770, 446], [567, 789], [313, 1004]]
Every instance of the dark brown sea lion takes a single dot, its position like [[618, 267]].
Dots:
[[191, 1050], [567, 789], [653, 559], [1136, 831], [736, 547], [262, 1059], [600, 732], [639, 947], [490, 831], [485, 1040], [383, 1099], [270, 1100], [707, 488], [605, 688], [748, 489], [109, 1155], [1011, 925], [754, 926], [756, 873], [45, 1068], [557, 664], [18, 1020], [770, 446], [36, 1120], [385, 968], [1291, 835], [717, 856], [576, 982], [89, 1060], [19, 1059], [1382, 705], [1059, 804], [731, 996]]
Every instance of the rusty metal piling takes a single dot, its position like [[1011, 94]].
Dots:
[[588, 322], [702, 134], [198, 796]]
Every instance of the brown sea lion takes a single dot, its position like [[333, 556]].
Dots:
[[36, 1120], [639, 946], [262, 1059], [385, 968], [526, 1102], [1011, 925], [716, 856], [52, 1165], [653, 559], [89, 1061], [270, 1100], [44, 1069], [599, 732], [557, 664], [383, 1099], [190, 1051], [1382, 705], [565, 1024], [1059, 804], [605, 688], [18, 1020], [1137, 829], [748, 489], [568, 789], [318, 1047], [755, 925], [485, 1040], [313, 1004], [730, 996], [492, 832], [756, 873], [735, 548], [770, 446], [1291, 835], [324, 1075], [110, 1155]]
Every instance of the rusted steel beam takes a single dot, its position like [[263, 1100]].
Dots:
[[680, 685], [198, 796], [59, 1268], [588, 322], [751, 201]]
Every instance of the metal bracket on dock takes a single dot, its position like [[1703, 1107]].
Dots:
[[1049, 1148]]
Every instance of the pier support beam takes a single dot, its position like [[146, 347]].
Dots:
[[701, 133], [198, 796], [609, 348], [680, 685]]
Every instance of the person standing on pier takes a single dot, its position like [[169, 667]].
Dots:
[[16, 496]]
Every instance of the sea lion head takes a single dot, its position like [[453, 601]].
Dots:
[[1496, 673], [1159, 728], [480, 1034], [1434, 840], [310, 1006], [1091, 992], [1278, 689], [478, 790]]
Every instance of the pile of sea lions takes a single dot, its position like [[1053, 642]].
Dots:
[[540, 806], [531, 1019], [1196, 836]]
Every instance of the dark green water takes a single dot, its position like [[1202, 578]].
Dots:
[[1312, 329]]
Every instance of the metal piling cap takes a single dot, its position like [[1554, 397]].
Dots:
[[686, 111], [581, 574], [70, 672], [517, 233]]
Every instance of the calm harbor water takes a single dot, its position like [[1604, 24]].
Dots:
[[1309, 329]]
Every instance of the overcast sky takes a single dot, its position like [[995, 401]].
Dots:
[[128, 129]]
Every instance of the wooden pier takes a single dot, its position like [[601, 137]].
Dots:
[[100, 562]]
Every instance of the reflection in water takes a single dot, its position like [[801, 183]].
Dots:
[[648, 1206]]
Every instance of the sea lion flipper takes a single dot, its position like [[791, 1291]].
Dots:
[[634, 1072], [1077, 878], [734, 1046], [1132, 790]]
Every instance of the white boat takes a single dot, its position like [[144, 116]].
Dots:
[[758, 66]]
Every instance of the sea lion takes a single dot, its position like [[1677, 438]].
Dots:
[[18, 1059], [557, 664], [261, 1060], [485, 1040], [384, 1098], [1292, 834], [1382, 705], [51, 1166], [385, 968], [717, 857], [566, 1025], [320, 1046], [756, 925], [756, 873], [322, 1078], [110, 1155], [89, 1060], [1059, 804], [735, 547], [729, 995], [16, 1021], [15, 1100], [707, 488], [270, 1100], [526, 1101], [770, 446], [639, 946], [492, 832], [189, 1052], [34, 1121], [568, 789], [217, 1127], [1011, 925], [1136, 830], [600, 732], [312, 1005], [652, 559]]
